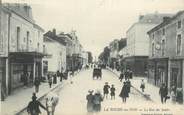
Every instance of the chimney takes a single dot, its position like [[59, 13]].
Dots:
[[141, 17], [54, 31], [165, 19]]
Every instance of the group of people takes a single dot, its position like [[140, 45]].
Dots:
[[33, 107], [124, 94], [127, 75], [106, 89], [94, 101], [52, 79]]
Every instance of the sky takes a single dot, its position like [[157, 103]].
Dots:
[[97, 22]]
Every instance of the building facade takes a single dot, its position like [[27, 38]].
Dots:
[[21, 45], [55, 47], [138, 43], [166, 56]]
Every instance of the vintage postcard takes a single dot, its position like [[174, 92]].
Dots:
[[92, 57]]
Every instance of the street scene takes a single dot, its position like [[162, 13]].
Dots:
[[92, 57]]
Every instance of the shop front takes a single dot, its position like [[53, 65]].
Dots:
[[24, 67], [158, 71], [176, 80]]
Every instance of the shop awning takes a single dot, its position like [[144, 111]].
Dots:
[[31, 54]]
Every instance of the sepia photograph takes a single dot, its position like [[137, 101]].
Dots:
[[92, 57]]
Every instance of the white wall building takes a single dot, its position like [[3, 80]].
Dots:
[[56, 49]]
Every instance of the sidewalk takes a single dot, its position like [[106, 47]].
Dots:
[[151, 91], [20, 98]]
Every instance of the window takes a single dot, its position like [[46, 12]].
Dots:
[[153, 49], [163, 31], [178, 46], [18, 38], [27, 44], [179, 24], [163, 47], [38, 46], [1, 43]]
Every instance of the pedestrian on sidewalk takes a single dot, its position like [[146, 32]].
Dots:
[[50, 81], [142, 85], [163, 93], [33, 106], [173, 94], [106, 90], [124, 92], [128, 83], [90, 103], [112, 92], [97, 101], [127, 74], [37, 84], [121, 76], [54, 79]]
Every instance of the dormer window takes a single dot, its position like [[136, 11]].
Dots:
[[179, 24]]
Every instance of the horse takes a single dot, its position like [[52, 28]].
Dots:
[[52, 100]]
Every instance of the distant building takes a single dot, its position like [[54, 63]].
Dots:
[[90, 57], [21, 47], [56, 47], [138, 42], [84, 58], [166, 57], [114, 50]]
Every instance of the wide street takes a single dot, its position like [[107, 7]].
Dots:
[[73, 96]]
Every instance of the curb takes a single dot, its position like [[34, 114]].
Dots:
[[144, 95], [41, 97]]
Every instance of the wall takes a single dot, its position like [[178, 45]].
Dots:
[[4, 34], [142, 39], [58, 59]]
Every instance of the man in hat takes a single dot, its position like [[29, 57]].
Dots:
[[89, 99], [112, 89], [163, 93], [97, 101], [106, 90], [33, 106]]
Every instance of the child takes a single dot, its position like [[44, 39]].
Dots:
[[106, 89], [112, 92]]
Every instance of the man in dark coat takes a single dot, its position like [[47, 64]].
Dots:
[[54, 79], [121, 76], [112, 89], [37, 84], [89, 99], [33, 106], [124, 92], [128, 83], [163, 93], [106, 90]]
